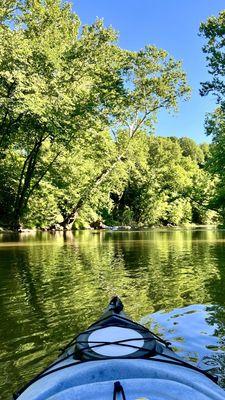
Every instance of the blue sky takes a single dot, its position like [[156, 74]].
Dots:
[[172, 25]]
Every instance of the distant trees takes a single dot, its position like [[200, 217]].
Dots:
[[173, 188], [155, 185]]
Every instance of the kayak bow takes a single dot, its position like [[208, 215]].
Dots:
[[116, 358]]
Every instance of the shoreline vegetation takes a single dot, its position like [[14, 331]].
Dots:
[[4, 230], [77, 127]]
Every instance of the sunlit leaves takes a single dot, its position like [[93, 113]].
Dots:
[[213, 30], [61, 82]]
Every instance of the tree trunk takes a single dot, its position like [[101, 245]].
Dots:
[[26, 176], [71, 217]]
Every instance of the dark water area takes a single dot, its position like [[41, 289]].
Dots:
[[54, 285]]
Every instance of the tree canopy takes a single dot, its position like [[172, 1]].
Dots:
[[213, 30], [77, 122]]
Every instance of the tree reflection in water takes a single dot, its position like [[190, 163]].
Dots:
[[54, 285]]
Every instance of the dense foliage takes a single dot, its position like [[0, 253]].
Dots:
[[77, 123], [172, 189], [213, 30]]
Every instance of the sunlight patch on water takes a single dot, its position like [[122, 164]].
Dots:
[[196, 333]]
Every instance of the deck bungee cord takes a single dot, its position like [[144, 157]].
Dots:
[[138, 328]]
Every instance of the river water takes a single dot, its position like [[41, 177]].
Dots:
[[54, 285]]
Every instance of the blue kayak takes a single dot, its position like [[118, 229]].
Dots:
[[118, 359]]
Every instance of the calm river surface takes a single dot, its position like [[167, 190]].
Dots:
[[54, 285]]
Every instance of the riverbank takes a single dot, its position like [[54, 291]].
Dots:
[[114, 228]]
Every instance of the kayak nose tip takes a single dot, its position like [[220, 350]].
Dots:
[[116, 304]]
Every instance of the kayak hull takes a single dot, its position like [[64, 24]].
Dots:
[[140, 378]]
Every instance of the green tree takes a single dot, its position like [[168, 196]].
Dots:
[[213, 32], [154, 81], [190, 148], [55, 83], [171, 188], [60, 83]]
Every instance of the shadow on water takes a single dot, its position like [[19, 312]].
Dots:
[[53, 286]]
